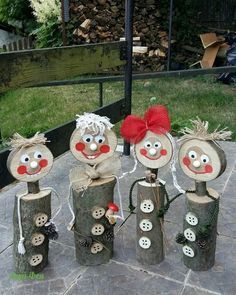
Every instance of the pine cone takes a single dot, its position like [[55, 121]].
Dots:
[[202, 243], [108, 236], [180, 238], [49, 229], [86, 242]]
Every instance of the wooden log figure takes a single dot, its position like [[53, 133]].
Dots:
[[154, 149], [92, 185], [29, 161], [202, 159]]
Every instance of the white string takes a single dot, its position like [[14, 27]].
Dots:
[[135, 164], [172, 165], [71, 223], [21, 247], [59, 201], [120, 199]]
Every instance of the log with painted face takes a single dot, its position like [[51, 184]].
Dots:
[[200, 156], [153, 146], [93, 141], [30, 159]]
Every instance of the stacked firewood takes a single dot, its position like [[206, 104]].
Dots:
[[103, 21]]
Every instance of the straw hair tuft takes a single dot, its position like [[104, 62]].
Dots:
[[200, 130], [19, 142]]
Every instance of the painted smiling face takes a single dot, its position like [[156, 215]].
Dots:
[[202, 160], [93, 148], [154, 151], [30, 164]]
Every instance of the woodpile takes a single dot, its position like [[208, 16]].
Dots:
[[97, 21]]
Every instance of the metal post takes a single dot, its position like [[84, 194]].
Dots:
[[64, 38], [129, 10], [170, 36], [100, 94]]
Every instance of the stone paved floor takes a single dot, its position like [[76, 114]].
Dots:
[[124, 275]]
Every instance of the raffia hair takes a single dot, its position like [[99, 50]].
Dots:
[[95, 123], [19, 142], [200, 130]]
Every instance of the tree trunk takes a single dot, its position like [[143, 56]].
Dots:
[[200, 209], [93, 249], [149, 225], [35, 212]]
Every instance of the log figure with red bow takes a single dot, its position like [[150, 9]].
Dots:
[[153, 148]]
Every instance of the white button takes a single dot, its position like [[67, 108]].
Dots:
[[37, 239], [191, 218], [98, 212], [188, 251], [190, 235], [96, 247], [147, 206], [36, 259], [97, 229], [40, 219], [145, 225], [144, 242]]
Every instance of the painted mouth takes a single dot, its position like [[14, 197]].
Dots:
[[91, 157], [152, 158], [34, 173], [197, 172]]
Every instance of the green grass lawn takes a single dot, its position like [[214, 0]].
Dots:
[[38, 109]]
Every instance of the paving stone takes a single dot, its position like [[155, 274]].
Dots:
[[196, 291], [57, 276], [221, 278], [125, 251], [120, 279], [6, 237]]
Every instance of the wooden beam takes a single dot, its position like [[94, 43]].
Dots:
[[30, 67]]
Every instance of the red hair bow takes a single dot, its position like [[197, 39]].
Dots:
[[156, 119]]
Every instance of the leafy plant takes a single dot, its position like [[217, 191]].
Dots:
[[48, 17], [17, 10], [48, 35]]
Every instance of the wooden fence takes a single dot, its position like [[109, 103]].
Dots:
[[21, 44]]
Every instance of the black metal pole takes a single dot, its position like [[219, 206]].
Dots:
[[170, 36], [100, 94], [64, 38], [129, 10]]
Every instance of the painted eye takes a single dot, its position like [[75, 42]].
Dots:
[[87, 138], [24, 158], [205, 159], [192, 155], [99, 139], [147, 144], [37, 155], [157, 144]]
